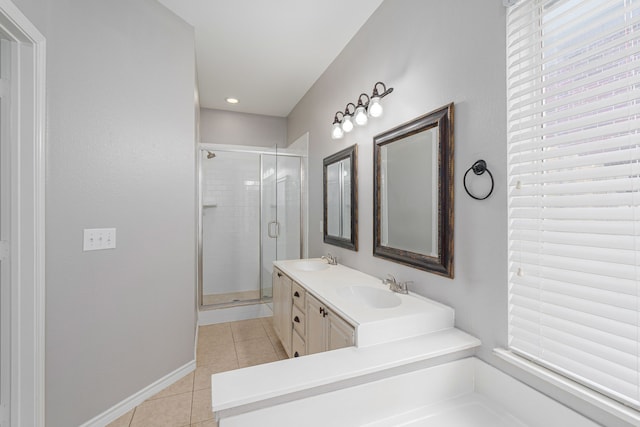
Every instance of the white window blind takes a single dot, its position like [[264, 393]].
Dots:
[[573, 80]]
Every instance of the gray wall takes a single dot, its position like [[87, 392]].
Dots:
[[120, 153], [228, 127], [432, 53]]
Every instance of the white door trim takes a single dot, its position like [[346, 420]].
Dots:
[[28, 216]]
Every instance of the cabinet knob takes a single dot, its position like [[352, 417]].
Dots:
[[321, 310], [296, 319], [279, 274], [325, 314], [296, 354], [296, 294]]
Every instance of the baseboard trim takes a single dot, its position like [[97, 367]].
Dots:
[[232, 314], [134, 400]]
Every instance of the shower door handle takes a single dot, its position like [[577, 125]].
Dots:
[[269, 229]]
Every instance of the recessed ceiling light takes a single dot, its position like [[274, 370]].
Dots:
[[232, 100]]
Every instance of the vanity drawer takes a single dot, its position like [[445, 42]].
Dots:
[[297, 318], [298, 295], [297, 345]]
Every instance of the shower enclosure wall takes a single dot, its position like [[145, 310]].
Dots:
[[250, 216]]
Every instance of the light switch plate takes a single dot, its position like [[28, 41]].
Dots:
[[96, 239]]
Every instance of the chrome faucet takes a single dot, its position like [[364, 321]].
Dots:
[[331, 260], [395, 286]]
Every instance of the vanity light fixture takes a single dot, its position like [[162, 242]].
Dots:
[[368, 106], [361, 110], [337, 132], [375, 108], [347, 123]]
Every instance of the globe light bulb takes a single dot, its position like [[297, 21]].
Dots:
[[361, 116], [337, 132], [347, 124], [375, 108]]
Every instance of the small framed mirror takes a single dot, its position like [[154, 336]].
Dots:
[[341, 198], [413, 200]]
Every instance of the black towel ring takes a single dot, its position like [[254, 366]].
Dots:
[[478, 168]]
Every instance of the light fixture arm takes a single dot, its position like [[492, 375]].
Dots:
[[346, 109], [384, 93], [360, 103], [336, 119]]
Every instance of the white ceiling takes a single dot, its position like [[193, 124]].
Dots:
[[267, 53]]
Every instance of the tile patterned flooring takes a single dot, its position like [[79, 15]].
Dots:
[[221, 347]]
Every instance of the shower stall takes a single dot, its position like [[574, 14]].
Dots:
[[251, 215]]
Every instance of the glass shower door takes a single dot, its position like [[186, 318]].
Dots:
[[269, 223], [251, 210], [281, 214], [230, 253]]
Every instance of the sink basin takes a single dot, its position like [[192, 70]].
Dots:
[[307, 265], [372, 297]]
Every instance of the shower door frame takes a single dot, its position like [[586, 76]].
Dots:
[[203, 147]]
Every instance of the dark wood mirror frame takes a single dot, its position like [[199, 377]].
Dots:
[[350, 153], [441, 118]]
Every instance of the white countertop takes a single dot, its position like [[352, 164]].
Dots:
[[414, 316], [264, 385]]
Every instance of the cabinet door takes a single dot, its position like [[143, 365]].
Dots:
[[340, 333], [282, 308], [298, 320], [277, 302], [297, 345], [315, 337]]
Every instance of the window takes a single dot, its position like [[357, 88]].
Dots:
[[573, 80]]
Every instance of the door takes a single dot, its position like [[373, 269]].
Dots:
[[5, 232], [340, 333], [230, 226], [22, 177], [280, 212], [282, 309], [268, 223], [315, 337]]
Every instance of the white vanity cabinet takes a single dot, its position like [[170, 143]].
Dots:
[[325, 329], [282, 308], [303, 324]]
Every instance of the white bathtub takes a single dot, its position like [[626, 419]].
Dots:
[[462, 393]]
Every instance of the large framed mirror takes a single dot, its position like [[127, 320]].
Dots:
[[413, 200], [340, 184]]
